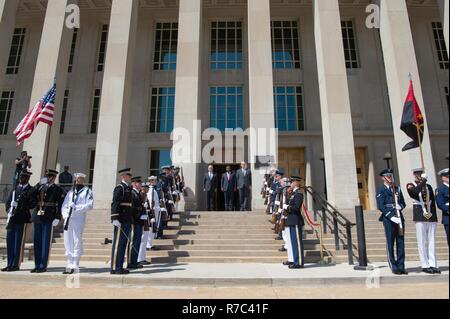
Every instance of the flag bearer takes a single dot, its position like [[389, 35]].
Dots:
[[442, 200], [18, 207], [78, 202]]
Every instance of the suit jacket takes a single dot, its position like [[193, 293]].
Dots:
[[243, 180], [210, 184], [228, 185]]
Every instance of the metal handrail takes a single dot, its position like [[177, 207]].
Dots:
[[320, 203]]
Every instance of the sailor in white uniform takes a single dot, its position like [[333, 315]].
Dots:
[[77, 203]]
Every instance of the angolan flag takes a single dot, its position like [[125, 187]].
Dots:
[[413, 123], [42, 112]]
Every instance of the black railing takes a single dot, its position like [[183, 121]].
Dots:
[[331, 219]]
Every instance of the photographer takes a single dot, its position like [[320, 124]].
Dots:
[[22, 164]]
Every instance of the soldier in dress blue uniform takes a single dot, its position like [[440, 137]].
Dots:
[[137, 228], [391, 203], [18, 207], [276, 190], [442, 199], [295, 223], [122, 219], [168, 186], [47, 214]]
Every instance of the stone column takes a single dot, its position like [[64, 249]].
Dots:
[[112, 137], [339, 147], [52, 61], [8, 12], [187, 98], [400, 60], [444, 8], [262, 117]]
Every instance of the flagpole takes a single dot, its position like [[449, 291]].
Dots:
[[49, 134]]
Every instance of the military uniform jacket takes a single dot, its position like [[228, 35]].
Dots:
[[386, 202], [418, 194], [442, 202], [53, 198], [21, 214], [138, 207], [121, 207], [275, 188], [294, 211]]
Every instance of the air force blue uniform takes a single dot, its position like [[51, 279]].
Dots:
[[387, 207], [442, 203]]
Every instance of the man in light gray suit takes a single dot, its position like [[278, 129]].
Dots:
[[244, 185]]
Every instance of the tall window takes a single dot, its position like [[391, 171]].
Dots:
[[95, 110], [285, 45], [226, 105], [226, 45], [159, 158], [166, 41], [91, 166], [64, 112], [289, 108], [6, 103], [102, 48], [15, 52], [441, 47], [72, 50], [350, 46], [162, 110]]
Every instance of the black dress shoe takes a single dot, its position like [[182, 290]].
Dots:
[[282, 250], [124, 272], [287, 263], [404, 272], [428, 271], [279, 238], [5, 269], [436, 270], [296, 266], [135, 267], [33, 271], [41, 271], [69, 272], [13, 269], [145, 263]]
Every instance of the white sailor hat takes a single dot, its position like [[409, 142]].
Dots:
[[153, 178], [419, 170], [444, 172], [79, 175]]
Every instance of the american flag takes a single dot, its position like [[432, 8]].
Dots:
[[42, 112]]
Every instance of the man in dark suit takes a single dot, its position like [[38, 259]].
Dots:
[[210, 184], [228, 186], [244, 185]]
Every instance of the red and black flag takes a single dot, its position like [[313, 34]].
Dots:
[[413, 123]]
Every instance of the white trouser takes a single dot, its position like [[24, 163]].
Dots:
[[73, 242], [143, 248], [287, 235], [426, 234], [150, 238]]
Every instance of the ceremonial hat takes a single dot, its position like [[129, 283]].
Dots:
[[279, 173], [443, 173], [386, 172], [125, 171], [79, 175], [165, 167], [418, 170], [51, 172], [296, 179], [26, 173], [153, 178], [137, 179]]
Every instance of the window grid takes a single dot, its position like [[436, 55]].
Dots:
[[159, 158], [102, 48], [72, 50], [91, 166], [6, 103], [15, 52], [162, 110], [166, 42], [441, 47], [226, 45], [350, 47], [285, 45], [226, 107], [64, 112], [95, 111], [289, 109]]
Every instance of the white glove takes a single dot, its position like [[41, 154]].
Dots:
[[117, 224], [424, 176], [143, 217], [271, 191], [9, 215], [265, 184], [398, 207], [163, 210], [170, 202], [55, 222], [277, 203], [396, 220], [71, 205], [285, 207], [280, 210], [153, 221], [14, 204]]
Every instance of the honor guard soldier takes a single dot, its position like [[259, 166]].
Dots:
[[442, 200], [137, 228], [167, 186], [47, 214], [179, 186], [155, 221], [142, 259], [78, 202], [18, 207], [294, 223], [391, 203], [122, 218], [425, 218], [276, 191]]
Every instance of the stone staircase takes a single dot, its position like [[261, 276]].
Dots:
[[199, 237]]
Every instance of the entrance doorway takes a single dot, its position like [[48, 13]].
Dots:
[[292, 162], [363, 182], [220, 199]]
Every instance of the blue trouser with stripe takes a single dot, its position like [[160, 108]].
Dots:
[[134, 244], [392, 238], [296, 233], [121, 236], [42, 241], [15, 239]]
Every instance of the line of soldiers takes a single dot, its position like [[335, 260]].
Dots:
[[391, 203], [284, 201], [140, 212]]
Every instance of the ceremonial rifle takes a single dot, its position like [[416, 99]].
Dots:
[[66, 224], [401, 231]]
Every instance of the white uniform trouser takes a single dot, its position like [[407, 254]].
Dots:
[[143, 248], [73, 241], [287, 238], [426, 234]]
